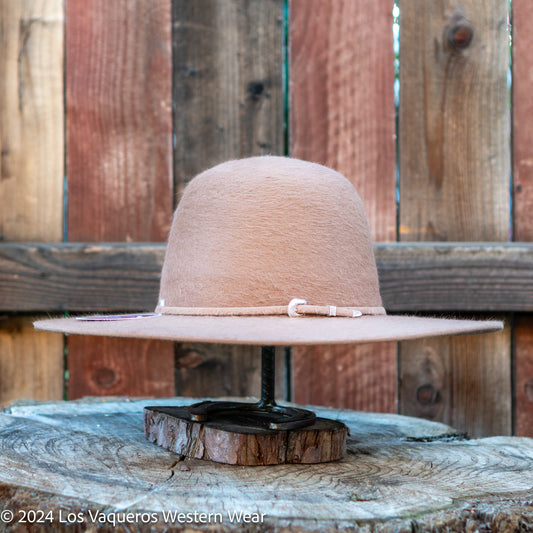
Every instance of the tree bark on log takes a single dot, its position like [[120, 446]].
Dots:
[[226, 440], [90, 462]]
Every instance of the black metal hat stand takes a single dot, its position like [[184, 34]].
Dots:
[[247, 433]]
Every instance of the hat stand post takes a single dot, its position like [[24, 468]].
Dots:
[[247, 433], [265, 413]]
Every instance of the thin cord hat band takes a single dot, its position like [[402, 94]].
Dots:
[[296, 307]]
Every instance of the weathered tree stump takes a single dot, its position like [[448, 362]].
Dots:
[[224, 440], [79, 466]]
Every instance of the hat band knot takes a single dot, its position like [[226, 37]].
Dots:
[[296, 308]]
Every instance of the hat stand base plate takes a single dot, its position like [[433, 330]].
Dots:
[[239, 437]]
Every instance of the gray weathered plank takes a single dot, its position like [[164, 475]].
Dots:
[[454, 122], [228, 104], [204, 369], [228, 96], [401, 474], [413, 276], [456, 276], [73, 276]]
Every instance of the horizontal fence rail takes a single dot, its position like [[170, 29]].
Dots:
[[413, 276]]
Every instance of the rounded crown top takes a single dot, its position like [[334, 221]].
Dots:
[[264, 230]]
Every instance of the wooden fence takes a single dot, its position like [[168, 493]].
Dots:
[[107, 109]]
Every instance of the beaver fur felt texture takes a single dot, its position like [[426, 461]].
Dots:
[[259, 232], [264, 231]]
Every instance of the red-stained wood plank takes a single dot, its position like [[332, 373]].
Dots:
[[342, 115], [119, 124], [119, 152], [119, 367], [359, 377], [523, 376], [523, 202], [522, 120], [341, 98]]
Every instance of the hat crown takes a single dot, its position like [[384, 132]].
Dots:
[[264, 230]]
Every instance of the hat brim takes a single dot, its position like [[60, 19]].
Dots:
[[272, 330]]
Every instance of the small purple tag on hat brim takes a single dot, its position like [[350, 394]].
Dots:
[[103, 318]]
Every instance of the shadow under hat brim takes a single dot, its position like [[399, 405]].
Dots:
[[272, 330]]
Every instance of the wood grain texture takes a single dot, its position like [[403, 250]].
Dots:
[[119, 122], [523, 204], [455, 276], [454, 124], [341, 98], [80, 276], [119, 367], [523, 375], [461, 381], [31, 362], [223, 370], [31, 176], [522, 121], [341, 114], [227, 82], [119, 276], [401, 474], [31, 129], [353, 377], [119, 153], [228, 99], [454, 185]]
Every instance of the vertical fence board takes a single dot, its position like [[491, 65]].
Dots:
[[119, 127], [447, 380], [118, 367], [224, 370], [454, 168], [454, 125], [119, 151], [341, 98], [523, 202], [358, 377], [523, 375], [227, 82], [228, 104], [342, 115], [522, 120], [31, 176], [31, 362], [31, 129]]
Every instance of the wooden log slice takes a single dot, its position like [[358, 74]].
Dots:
[[224, 440], [88, 466]]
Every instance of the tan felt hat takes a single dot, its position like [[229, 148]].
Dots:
[[272, 251]]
